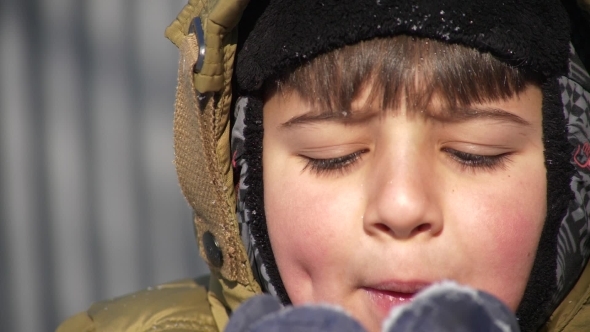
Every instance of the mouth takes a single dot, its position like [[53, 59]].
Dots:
[[391, 294]]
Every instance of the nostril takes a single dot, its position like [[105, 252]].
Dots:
[[423, 228], [383, 228]]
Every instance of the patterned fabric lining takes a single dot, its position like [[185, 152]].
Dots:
[[243, 212], [574, 238]]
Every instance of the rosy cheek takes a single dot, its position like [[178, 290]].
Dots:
[[507, 231], [312, 226], [298, 220], [519, 218]]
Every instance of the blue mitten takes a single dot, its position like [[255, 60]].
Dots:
[[251, 311], [265, 313], [447, 307], [442, 307]]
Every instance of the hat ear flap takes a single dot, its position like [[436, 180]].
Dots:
[[252, 212], [563, 248]]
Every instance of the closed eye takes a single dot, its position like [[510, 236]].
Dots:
[[331, 165], [470, 161]]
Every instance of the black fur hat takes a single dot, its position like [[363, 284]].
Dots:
[[283, 34]]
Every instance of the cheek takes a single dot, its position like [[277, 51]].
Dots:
[[509, 221], [503, 233], [308, 225], [520, 215], [294, 209]]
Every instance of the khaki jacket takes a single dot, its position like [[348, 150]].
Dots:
[[201, 142], [194, 305]]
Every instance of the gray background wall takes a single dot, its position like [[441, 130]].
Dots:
[[89, 202]]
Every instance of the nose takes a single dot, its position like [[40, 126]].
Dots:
[[403, 197]]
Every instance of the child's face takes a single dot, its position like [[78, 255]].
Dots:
[[365, 210]]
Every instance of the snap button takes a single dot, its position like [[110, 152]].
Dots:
[[212, 250], [196, 27]]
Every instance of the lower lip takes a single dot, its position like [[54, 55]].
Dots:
[[385, 300]]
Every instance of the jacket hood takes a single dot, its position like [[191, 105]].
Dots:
[[203, 130]]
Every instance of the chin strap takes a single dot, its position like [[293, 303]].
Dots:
[[202, 141]]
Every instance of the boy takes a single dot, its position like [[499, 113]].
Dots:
[[378, 148]]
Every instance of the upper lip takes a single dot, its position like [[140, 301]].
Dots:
[[396, 286]]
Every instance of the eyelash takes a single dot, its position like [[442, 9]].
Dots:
[[476, 162], [467, 161], [338, 164]]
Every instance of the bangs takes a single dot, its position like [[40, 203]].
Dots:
[[403, 71]]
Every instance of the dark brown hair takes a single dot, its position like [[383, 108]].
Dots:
[[403, 69]]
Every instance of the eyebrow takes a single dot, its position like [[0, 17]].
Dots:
[[458, 115], [348, 117], [464, 114]]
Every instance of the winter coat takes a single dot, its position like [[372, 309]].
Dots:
[[204, 305], [203, 160]]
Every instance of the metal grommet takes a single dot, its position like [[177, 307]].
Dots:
[[212, 250], [196, 27]]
